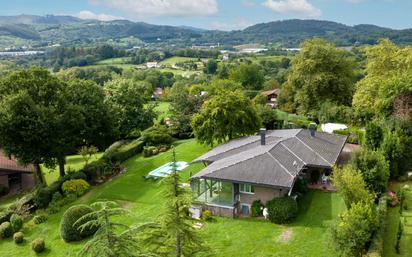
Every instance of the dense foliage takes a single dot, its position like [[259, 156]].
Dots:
[[225, 116], [282, 210]]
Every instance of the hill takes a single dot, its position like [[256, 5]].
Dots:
[[68, 31]]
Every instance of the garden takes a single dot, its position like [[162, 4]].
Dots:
[[306, 236]]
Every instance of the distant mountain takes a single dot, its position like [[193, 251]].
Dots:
[[35, 19], [68, 31]]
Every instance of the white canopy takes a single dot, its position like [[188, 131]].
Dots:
[[330, 127]]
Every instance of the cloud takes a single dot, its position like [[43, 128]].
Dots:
[[156, 8], [236, 24], [88, 15], [300, 7]]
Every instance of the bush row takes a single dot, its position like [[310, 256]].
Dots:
[[355, 136], [376, 246]]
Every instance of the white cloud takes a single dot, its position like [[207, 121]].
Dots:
[[88, 15], [154, 8], [237, 24], [300, 7]]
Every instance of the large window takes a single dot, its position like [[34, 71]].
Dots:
[[214, 192], [246, 188]]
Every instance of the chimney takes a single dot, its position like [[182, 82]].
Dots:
[[262, 133], [312, 128]]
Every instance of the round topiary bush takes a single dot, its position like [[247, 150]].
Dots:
[[6, 230], [68, 231], [38, 219], [38, 245], [16, 222], [282, 210], [18, 237], [76, 186]]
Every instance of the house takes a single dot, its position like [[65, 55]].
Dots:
[[272, 96], [262, 167], [157, 93], [153, 65], [14, 176]]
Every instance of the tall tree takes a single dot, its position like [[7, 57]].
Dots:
[[31, 103], [178, 237], [249, 75], [126, 100], [320, 72], [183, 106], [226, 115]]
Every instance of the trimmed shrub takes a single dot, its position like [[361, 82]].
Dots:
[[122, 150], [38, 219], [206, 215], [257, 208], [157, 135], [68, 231], [18, 237], [282, 210], [38, 245], [98, 168], [76, 186], [4, 190], [376, 246], [6, 230], [16, 222], [72, 176], [150, 151], [5, 215]]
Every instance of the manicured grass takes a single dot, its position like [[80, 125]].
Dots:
[[143, 198], [162, 109], [73, 163], [392, 222], [227, 237], [254, 237]]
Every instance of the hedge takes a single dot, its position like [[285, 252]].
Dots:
[[76, 186], [376, 246], [122, 150], [282, 210]]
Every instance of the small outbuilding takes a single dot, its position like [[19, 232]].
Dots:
[[14, 176]]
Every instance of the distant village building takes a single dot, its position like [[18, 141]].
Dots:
[[272, 96], [253, 50], [15, 176], [226, 57], [152, 65]]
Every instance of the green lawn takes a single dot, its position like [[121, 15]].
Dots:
[[228, 237], [73, 163], [392, 226], [176, 59], [162, 109]]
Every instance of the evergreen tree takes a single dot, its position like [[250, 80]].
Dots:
[[107, 242]]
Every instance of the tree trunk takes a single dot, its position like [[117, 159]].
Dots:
[[39, 175], [62, 162]]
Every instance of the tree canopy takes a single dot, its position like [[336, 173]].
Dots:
[[226, 115], [320, 72]]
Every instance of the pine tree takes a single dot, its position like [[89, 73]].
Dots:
[[176, 235], [106, 241]]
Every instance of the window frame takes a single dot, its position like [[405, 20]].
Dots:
[[246, 188]]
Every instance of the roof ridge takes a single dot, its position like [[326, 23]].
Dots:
[[310, 148], [287, 148], [274, 158]]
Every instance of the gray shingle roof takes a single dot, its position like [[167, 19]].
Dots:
[[277, 163]]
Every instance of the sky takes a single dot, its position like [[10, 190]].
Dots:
[[222, 14]]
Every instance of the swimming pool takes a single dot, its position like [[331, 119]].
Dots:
[[166, 169]]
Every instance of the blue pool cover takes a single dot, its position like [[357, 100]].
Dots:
[[166, 169]]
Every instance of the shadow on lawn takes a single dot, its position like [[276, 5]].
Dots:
[[315, 208]]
